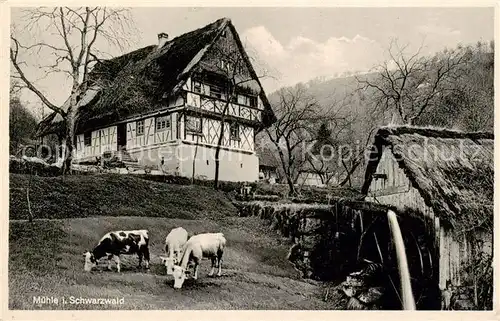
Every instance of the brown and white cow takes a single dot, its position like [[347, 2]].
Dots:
[[115, 243]]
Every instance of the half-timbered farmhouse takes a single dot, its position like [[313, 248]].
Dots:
[[447, 177], [162, 106]]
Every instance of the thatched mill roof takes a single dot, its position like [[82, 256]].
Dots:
[[452, 170]]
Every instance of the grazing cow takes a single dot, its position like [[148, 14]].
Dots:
[[174, 242], [113, 244], [209, 245]]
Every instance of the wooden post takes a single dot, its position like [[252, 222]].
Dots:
[[194, 158], [30, 213]]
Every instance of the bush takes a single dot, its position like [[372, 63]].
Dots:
[[224, 186], [22, 166]]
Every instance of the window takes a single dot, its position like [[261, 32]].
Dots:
[[247, 100], [196, 87], [253, 101], [225, 65], [162, 123], [241, 69], [235, 131], [193, 124], [139, 125], [242, 100], [87, 139], [215, 92]]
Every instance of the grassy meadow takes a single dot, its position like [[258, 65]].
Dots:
[[45, 257]]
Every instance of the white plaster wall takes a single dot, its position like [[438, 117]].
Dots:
[[234, 166]]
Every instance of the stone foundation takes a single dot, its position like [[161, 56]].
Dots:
[[316, 232]]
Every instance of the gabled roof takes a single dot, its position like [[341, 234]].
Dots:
[[452, 170], [135, 83], [267, 157]]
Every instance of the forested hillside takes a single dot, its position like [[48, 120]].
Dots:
[[451, 89]]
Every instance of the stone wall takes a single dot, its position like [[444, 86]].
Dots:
[[322, 236]]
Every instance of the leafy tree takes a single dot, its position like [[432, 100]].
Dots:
[[323, 137], [22, 125]]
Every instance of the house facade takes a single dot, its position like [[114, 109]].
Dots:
[[268, 165], [317, 173], [189, 87], [309, 177], [268, 174], [270, 169], [445, 176]]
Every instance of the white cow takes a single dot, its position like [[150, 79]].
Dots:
[[209, 245], [174, 242]]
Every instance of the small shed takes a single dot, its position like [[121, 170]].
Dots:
[[446, 176], [268, 165]]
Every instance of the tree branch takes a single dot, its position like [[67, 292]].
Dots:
[[29, 84]]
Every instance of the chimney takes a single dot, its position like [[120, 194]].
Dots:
[[162, 39]]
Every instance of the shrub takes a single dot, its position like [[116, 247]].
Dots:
[[22, 166]]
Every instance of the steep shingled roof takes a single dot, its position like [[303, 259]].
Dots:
[[135, 83], [452, 170]]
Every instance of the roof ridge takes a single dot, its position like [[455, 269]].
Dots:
[[429, 131], [220, 21]]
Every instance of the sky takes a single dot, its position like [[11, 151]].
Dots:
[[292, 45]]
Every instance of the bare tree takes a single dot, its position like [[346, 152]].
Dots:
[[410, 84], [356, 136], [342, 156], [351, 159], [72, 50], [326, 170], [296, 114], [326, 153]]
